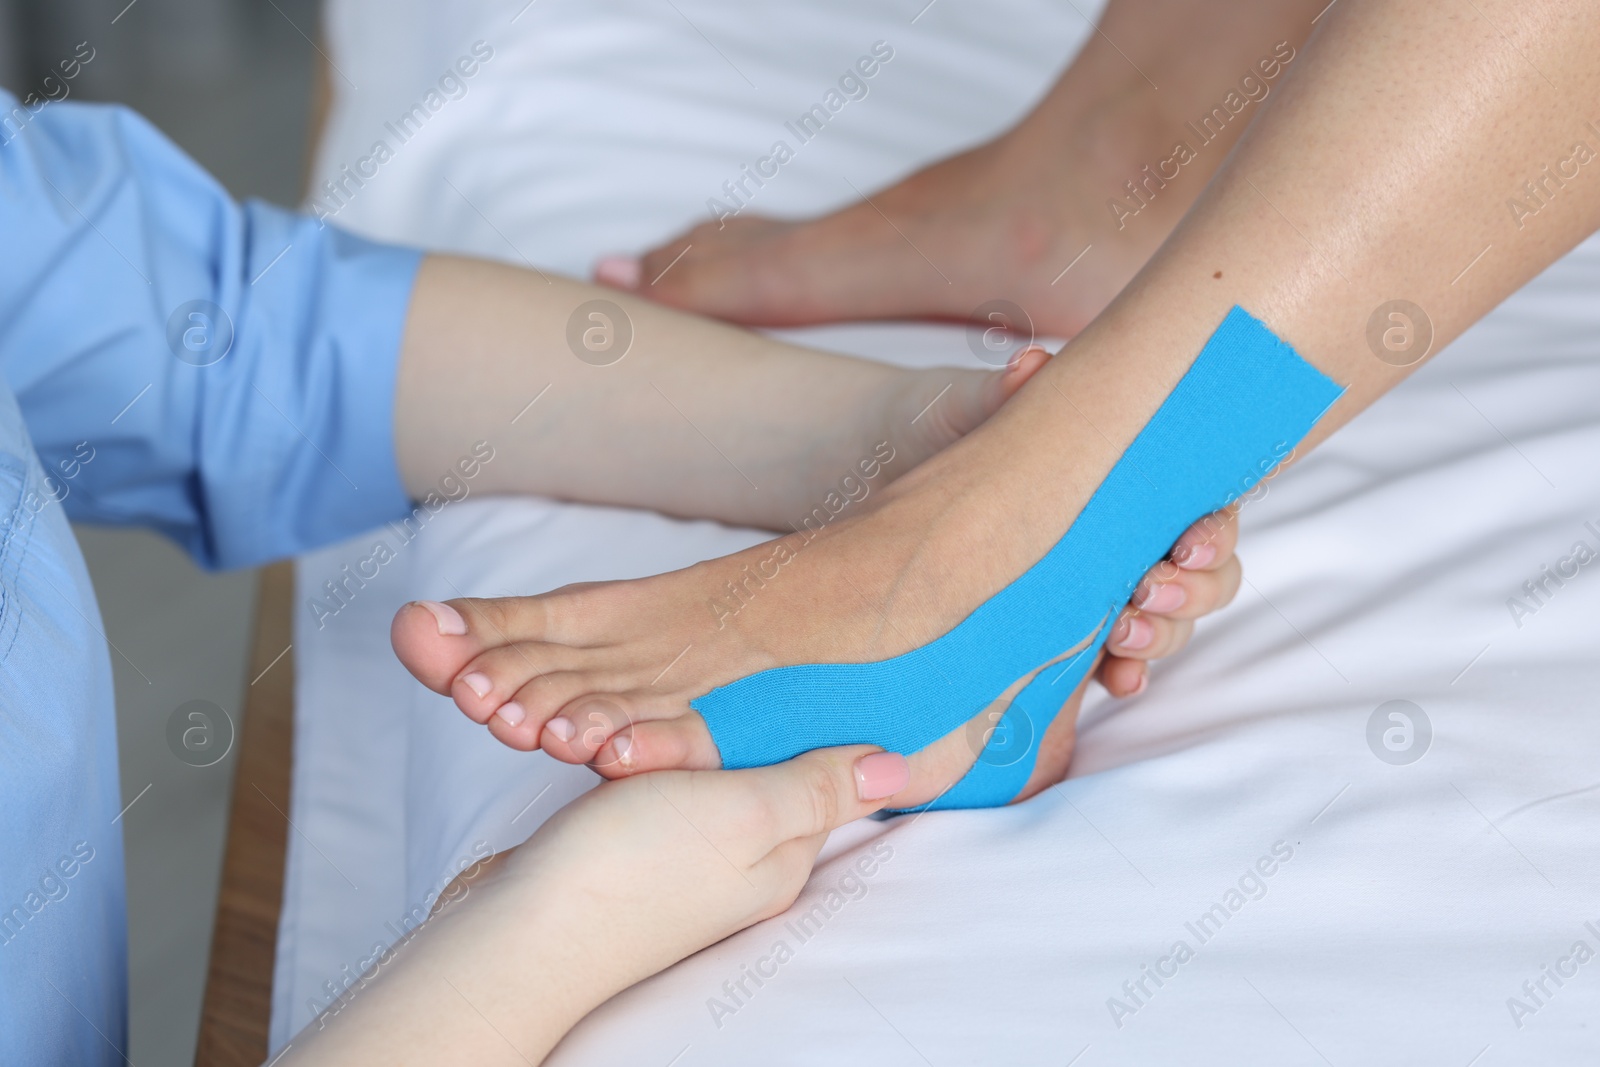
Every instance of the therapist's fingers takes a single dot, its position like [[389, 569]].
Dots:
[[1200, 575], [1207, 544], [1136, 638], [1146, 637], [820, 791], [1188, 594], [1123, 677]]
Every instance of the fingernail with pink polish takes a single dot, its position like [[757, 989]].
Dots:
[[620, 271], [882, 774], [1198, 557], [477, 682], [1163, 598], [512, 713], [562, 727], [1139, 634], [450, 622]]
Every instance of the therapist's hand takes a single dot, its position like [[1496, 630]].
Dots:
[[1200, 575], [623, 882], [658, 866]]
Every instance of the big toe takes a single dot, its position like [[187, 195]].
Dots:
[[768, 272], [433, 641], [733, 279], [692, 266]]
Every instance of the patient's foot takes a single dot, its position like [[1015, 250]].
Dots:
[[1004, 220], [604, 673], [1010, 219]]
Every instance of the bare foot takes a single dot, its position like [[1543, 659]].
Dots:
[[1001, 221], [604, 673], [1029, 217]]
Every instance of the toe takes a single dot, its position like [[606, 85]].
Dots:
[[534, 672], [530, 706], [682, 743], [763, 272], [502, 620], [1023, 366], [711, 280], [584, 726], [511, 726], [619, 272], [434, 641], [673, 270]]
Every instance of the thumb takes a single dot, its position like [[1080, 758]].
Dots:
[[822, 790]]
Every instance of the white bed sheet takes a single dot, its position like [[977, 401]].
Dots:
[[1418, 898]]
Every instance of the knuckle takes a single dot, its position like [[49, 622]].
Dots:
[[1161, 643], [1227, 535], [1177, 636], [1165, 570], [1232, 577], [1200, 589], [821, 797]]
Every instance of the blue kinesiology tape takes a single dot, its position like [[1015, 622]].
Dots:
[[1244, 404]]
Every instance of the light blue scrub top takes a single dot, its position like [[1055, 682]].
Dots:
[[119, 405]]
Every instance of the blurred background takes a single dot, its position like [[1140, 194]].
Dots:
[[231, 82]]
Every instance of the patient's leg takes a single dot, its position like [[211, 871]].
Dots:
[[1364, 220], [1095, 166]]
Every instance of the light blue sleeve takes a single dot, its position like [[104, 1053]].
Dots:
[[223, 373]]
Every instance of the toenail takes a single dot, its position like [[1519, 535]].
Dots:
[[620, 271], [1161, 598], [1137, 634], [1023, 353], [1144, 682], [882, 774], [623, 747], [451, 624], [562, 727], [478, 683], [1198, 557], [512, 713]]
